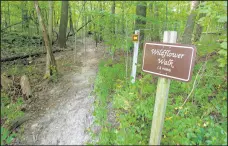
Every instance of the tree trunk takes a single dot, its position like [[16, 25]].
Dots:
[[25, 24], [166, 16], [54, 19], [199, 28], [156, 26], [90, 16], [6, 22], [1, 15], [126, 64], [113, 27], [113, 14], [123, 21], [25, 87], [71, 22], [140, 23], [63, 24], [85, 28], [35, 20], [50, 62], [50, 21], [96, 35], [187, 36], [151, 25], [100, 24], [22, 16], [9, 15], [46, 16]]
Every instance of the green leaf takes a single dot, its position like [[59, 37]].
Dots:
[[223, 45], [4, 133], [208, 142], [222, 62], [223, 52], [9, 139], [204, 11], [201, 19], [222, 19]]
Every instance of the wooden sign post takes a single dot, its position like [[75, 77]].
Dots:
[[169, 61], [161, 98], [135, 39]]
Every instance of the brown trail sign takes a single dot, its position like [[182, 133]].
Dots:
[[174, 61], [169, 61]]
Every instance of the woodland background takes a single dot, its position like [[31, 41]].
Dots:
[[196, 111]]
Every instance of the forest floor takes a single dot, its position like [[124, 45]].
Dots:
[[62, 111]]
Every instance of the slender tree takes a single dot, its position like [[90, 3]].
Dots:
[[50, 60], [100, 23], [71, 22], [113, 8], [84, 19], [151, 25], [123, 20], [6, 21], [156, 26], [9, 15], [24, 12], [50, 21], [95, 27], [113, 26], [188, 32], [199, 28], [1, 15], [90, 16], [63, 24], [140, 21]]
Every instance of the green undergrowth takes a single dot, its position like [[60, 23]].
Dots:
[[9, 112], [202, 120], [20, 43], [11, 105]]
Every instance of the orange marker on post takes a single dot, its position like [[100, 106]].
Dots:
[[135, 38]]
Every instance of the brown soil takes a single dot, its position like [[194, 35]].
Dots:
[[62, 111]]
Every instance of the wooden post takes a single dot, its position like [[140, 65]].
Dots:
[[135, 57], [161, 98]]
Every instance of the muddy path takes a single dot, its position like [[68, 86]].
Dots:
[[62, 112]]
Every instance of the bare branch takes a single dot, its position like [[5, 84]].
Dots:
[[203, 67]]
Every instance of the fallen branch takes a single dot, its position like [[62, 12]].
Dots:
[[2, 30], [32, 55], [219, 33], [68, 35], [19, 121], [208, 55]]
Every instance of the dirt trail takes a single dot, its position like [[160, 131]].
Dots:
[[67, 106]]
